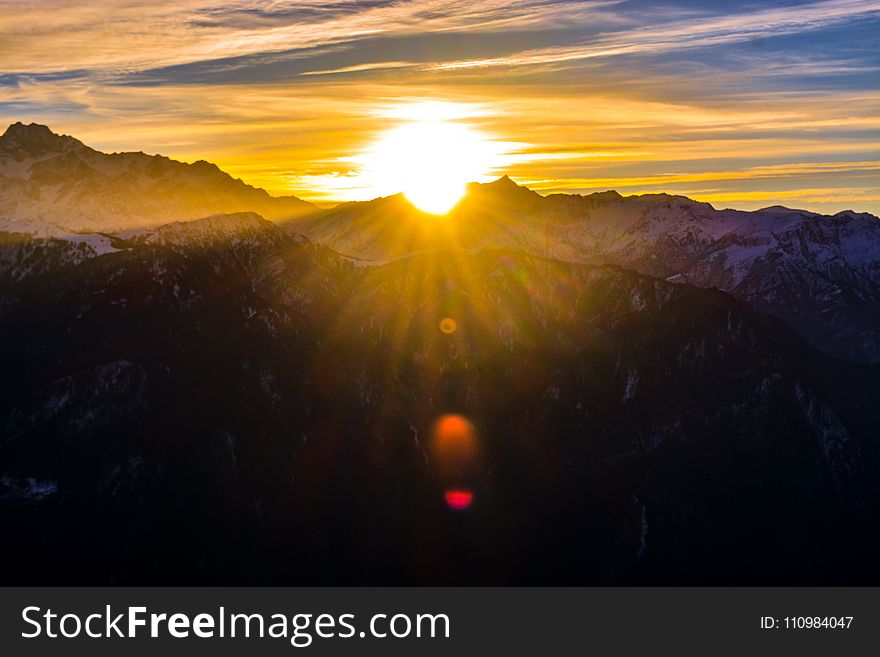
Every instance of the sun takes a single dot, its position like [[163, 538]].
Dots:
[[431, 159]]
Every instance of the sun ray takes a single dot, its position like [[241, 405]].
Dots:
[[430, 155]]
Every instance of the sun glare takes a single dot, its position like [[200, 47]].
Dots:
[[430, 157]]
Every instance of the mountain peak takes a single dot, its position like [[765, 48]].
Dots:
[[35, 138], [504, 181], [18, 128], [506, 190]]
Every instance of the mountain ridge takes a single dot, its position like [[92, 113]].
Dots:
[[36, 137], [819, 272], [54, 185], [40, 138]]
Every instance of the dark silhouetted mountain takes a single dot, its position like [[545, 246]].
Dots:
[[54, 185], [23, 142], [221, 401]]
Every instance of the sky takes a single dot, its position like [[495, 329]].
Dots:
[[741, 104]]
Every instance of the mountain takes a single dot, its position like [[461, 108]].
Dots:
[[54, 185], [820, 273], [192, 393], [222, 401]]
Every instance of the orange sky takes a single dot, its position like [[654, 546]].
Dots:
[[745, 105]]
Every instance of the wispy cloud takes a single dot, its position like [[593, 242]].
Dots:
[[588, 95], [781, 171], [693, 33], [130, 36]]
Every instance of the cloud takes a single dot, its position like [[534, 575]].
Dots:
[[693, 33], [781, 171], [586, 94], [129, 36]]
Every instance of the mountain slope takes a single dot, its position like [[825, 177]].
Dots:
[[218, 401], [820, 273], [55, 185]]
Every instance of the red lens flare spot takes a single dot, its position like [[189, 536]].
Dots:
[[458, 500], [448, 325]]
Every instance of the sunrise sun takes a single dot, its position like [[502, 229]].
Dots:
[[430, 157]]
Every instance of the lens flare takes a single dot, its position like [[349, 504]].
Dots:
[[448, 325], [455, 456], [458, 499], [454, 445]]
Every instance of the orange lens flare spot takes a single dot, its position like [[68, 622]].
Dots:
[[453, 433], [448, 325], [454, 446], [458, 500]]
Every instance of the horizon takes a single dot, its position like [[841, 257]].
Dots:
[[741, 106], [331, 204]]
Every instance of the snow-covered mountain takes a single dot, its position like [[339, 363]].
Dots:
[[821, 273], [54, 185]]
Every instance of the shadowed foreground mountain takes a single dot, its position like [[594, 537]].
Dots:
[[221, 401]]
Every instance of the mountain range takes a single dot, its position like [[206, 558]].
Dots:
[[820, 273], [228, 399]]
